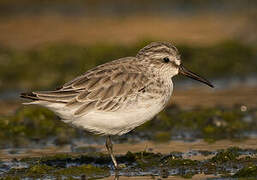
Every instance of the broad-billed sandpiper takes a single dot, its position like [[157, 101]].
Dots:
[[116, 97]]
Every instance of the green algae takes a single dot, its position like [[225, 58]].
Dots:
[[61, 159], [41, 170], [231, 154], [142, 159], [57, 157], [248, 171], [38, 170], [10, 178], [147, 159], [34, 171], [88, 170], [174, 159]]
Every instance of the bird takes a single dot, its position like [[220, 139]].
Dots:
[[115, 97]]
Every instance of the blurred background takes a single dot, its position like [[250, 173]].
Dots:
[[46, 43]]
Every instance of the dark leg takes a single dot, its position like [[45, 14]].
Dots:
[[108, 145]]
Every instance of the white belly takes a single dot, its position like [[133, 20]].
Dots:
[[117, 123]]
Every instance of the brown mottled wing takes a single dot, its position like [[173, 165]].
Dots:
[[107, 86]]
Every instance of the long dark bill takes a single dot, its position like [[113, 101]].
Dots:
[[186, 72]]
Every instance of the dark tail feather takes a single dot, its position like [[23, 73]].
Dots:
[[29, 95], [50, 96]]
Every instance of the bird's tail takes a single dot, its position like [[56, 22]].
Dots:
[[29, 95], [50, 96]]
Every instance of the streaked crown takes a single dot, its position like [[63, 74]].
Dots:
[[157, 48]]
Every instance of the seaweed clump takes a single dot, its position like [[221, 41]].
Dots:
[[38, 170], [231, 154], [248, 171], [88, 170]]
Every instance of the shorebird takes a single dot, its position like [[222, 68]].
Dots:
[[116, 97]]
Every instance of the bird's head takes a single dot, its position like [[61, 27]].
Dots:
[[165, 57]]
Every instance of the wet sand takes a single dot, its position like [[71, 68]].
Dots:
[[181, 146], [164, 148]]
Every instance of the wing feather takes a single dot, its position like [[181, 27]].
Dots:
[[86, 107], [103, 88]]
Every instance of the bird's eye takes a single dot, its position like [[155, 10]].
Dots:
[[166, 59]]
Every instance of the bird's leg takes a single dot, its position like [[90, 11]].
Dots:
[[108, 145], [116, 177]]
